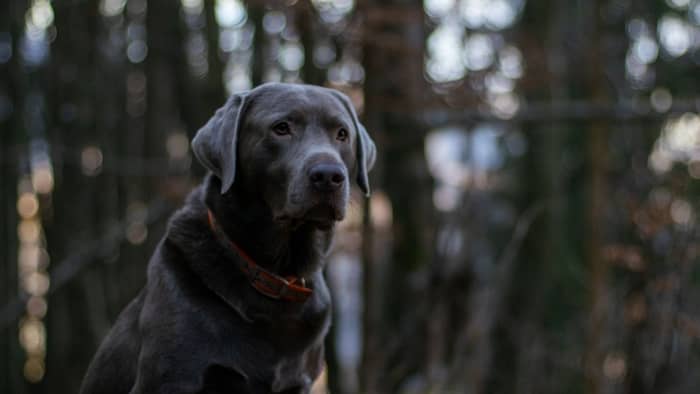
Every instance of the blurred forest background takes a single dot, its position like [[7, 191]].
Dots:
[[533, 226]]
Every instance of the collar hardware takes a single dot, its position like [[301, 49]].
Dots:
[[265, 282]]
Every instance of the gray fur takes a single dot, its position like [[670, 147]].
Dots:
[[198, 326]]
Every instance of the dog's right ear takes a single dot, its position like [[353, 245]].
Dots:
[[215, 143]]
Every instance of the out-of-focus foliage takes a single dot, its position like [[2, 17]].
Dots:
[[533, 223]]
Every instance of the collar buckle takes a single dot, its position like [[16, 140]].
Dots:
[[265, 282]]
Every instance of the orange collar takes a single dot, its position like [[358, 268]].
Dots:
[[262, 280]]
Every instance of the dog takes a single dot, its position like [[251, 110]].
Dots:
[[235, 299]]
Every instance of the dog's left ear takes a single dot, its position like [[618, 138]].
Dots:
[[366, 151], [215, 143]]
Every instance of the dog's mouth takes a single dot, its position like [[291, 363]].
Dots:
[[322, 216]]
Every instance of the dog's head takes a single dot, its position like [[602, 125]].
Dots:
[[294, 146]]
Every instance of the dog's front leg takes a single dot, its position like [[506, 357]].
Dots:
[[167, 364], [187, 372], [161, 376]]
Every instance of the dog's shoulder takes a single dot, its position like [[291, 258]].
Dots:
[[119, 351], [185, 329], [188, 224], [187, 270]]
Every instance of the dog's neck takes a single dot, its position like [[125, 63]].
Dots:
[[249, 223]]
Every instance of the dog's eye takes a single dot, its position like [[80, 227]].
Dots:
[[342, 135], [282, 128]]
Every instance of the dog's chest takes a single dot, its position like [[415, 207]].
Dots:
[[295, 336], [301, 355], [273, 356], [298, 374], [270, 371]]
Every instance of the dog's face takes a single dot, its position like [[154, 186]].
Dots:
[[295, 146]]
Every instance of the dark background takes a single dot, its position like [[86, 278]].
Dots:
[[533, 226]]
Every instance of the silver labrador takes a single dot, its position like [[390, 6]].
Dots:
[[236, 302]]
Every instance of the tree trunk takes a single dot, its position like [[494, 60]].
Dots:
[[73, 98], [597, 154], [386, 345]]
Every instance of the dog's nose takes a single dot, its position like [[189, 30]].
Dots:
[[326, 177]]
